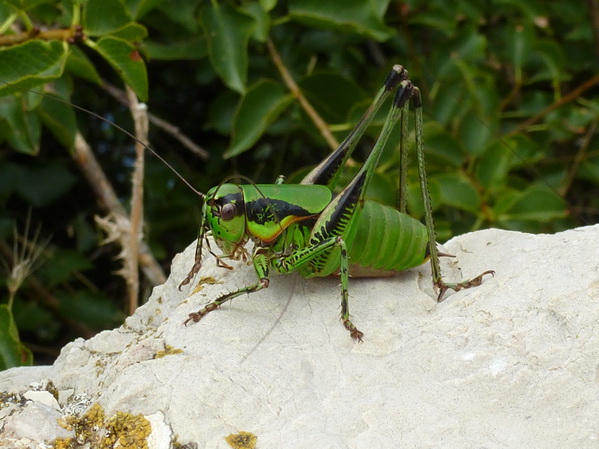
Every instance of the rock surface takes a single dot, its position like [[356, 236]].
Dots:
[[512, 363]]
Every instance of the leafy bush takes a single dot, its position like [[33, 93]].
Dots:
[[510, 125]]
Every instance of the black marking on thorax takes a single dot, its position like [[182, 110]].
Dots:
[[264, 210]]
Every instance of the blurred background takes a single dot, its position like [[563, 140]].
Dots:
[[263, 88]]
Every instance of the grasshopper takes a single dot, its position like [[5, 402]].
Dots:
[[307, 228]]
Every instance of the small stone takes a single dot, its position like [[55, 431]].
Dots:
[[43, 397], [36, 421]]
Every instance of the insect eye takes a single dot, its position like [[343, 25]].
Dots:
[[228, 211]]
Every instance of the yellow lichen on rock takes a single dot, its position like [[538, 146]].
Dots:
[[129, 431], [123, 430], [242, 440]]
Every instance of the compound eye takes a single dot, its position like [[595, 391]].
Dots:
[[228, 211]]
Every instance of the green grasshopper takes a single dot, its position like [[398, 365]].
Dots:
[[307, 228]]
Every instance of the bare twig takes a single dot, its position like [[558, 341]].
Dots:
[[109, 201], [167, 127], [594, 14], [580, 154], [140, 118], [72, 34], [322, 126], [557, 104], [514, 91]]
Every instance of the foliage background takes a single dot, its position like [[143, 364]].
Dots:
[[510, 101]]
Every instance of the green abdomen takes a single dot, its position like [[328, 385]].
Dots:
[[387, 239]]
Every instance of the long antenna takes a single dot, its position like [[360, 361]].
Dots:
[[120, 128]]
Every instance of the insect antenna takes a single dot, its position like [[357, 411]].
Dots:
[[229, 178], [116, 126]]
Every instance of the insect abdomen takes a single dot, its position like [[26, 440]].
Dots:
[[387, 239]]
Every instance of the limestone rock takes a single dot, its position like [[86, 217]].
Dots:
[[511, 363]]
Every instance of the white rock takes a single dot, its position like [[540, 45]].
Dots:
[[43, 397], [162, 434], [36, 422], [512, 363]]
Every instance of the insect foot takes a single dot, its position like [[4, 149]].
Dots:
[[353, 330], [457, 286], [197, 316]]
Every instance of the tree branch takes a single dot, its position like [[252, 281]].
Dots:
[[110, 203], [140, 118], [555, 105], [322, 126]]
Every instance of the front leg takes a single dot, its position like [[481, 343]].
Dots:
[[260, 260]]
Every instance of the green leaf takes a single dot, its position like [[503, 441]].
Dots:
[[228, 32], [28, 5], [261, 18], [42, 185], [30, 64], [481, 90], [79, 65], [459, 192], [258, 108], [441, 147], [415, 204], [31, 318], [267, 5], [12, 351], [382, 190], [8, 15], [196, 48], [92, 309], [60, 118], [63, 263], [533, 204], [132, 32], [332, 95], [519, 43], [352, 16], [524, 149], [139, 8], [470, 45], [85, 233], [532, 10], [14, 3], [436, 18], [101, 17], [448, 103], [493, 166], [475, 135], [182, 13], [126, 61], [19, 127], [589, 170], [222, 111], [553, 59]]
